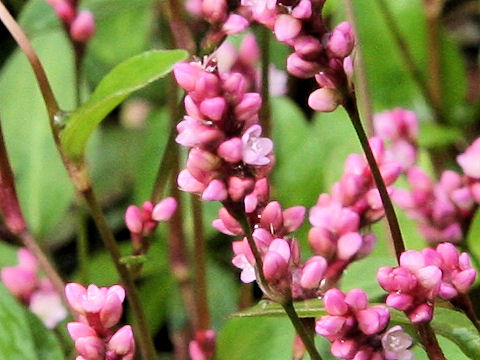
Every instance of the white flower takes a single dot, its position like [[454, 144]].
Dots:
[[255, 148]]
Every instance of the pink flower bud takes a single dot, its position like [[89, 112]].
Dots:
[[122, 342], [399, 301], [214, 10], [165, 209], [293, 218], [412, 260], [238, 187], [464, 280], [313, 272], [248, 107], [94, 298], [286, 27], [303, 10], [324, 100], [334, 302], [329, 326], [344, 348], [274, 266], [47, 305], [133, 219], [301, 68], [78, 330], [249, 52], [83, 27], [235, 85], [356, 299], [188, 183], [64, 11], [214, 108], [75, 294], [348, 245], [422, 313], [272, 217], [111, 311], [21, 282], [373, 320], [235, 24], [342, 40], [227, 223], [468, 161], [215, 191], [90, 347], [231, 150], [307, 47], [187, 75]]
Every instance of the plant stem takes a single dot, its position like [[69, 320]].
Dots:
[[143, 334], [429, 341], [82, 243], [200, 265], [180, 31], [360, 71], [350, 106], [265, 111], [410, 62], [301, 330]]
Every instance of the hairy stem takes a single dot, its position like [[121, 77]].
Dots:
[[350, 106]]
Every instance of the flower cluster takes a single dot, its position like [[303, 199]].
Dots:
[[143, 221], [38, 294], [245, 60], [99, 310], [424, 275], [399, 127], [317, 52], [358, 331], [354, 203], [80, 25]]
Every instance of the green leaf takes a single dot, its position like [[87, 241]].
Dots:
[[435, 135], [45, 342], [127, 77], [265, 308]]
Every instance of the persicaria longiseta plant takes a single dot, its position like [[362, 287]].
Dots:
[[177, 228]]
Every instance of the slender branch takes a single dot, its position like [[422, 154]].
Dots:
[[429, 341], [361, 71], [265, 111], [352, 110], [82, 243], [200, 265], [409, 61], [180, 31], [143, 334], [301, 330]]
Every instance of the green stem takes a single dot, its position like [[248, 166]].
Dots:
[[429, 341], [352, 110], [144, 338], [82, 244], [301, 330]]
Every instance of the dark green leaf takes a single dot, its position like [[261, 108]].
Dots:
[[45, 342], [127, 77]]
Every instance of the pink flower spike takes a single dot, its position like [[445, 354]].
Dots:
[[214, 108], [248, 271], [133, 219], [122, 342], [238, 187], [255, 148], [165, 209], [399, 301], [330, 326], [83, 27], [313, 272], [250, 202], [248, 107], [356, 299], [111, 311], [231, 150], [344, 349], [215, 191], [187, 75], [412, 260], [334, 302], [324, 100], [78, 330], [94, 298], [229, 222], [373, 320], [272, 216], [235, 24], [348, 245], [464, 280], [422, 313], [287, 27], [293, 218], [430, 277], [301, 68], [274, 266]]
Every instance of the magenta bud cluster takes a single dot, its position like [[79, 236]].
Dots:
[[399, 127], [218, 14], [317, 51], [99, 310], [424, 275], [354, 202], [357, 331], [37, 293], [202, 347], [79, 24], [143, 221]]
